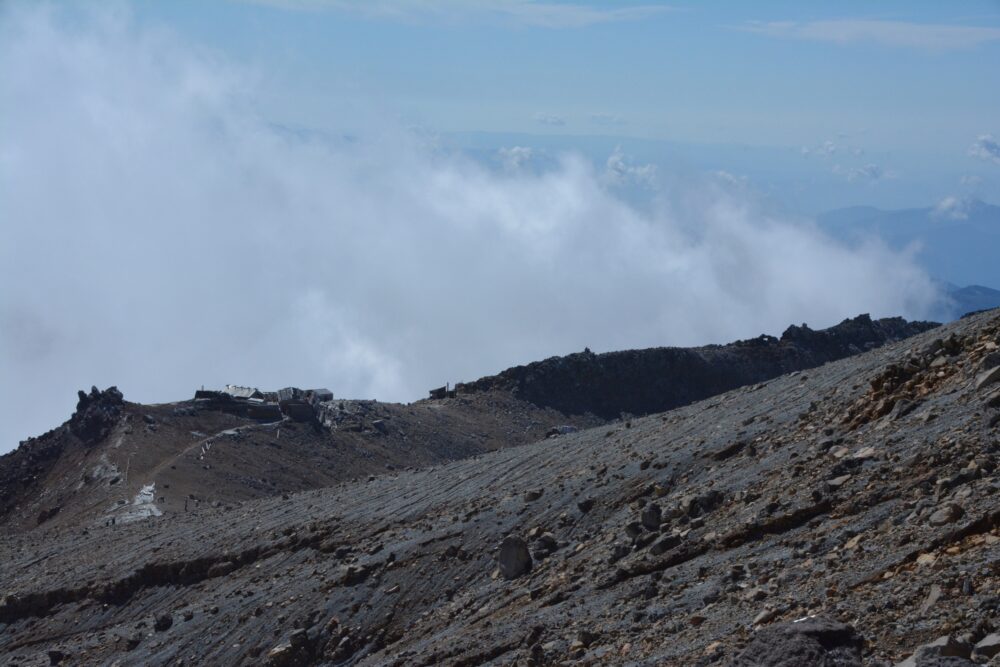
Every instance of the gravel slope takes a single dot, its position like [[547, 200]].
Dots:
[[864, 490]]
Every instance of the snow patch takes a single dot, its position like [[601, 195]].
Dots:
[[104, 469], [143, 506]]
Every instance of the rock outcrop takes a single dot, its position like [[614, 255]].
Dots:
[[639, 382], [812, 642], [96, 414]]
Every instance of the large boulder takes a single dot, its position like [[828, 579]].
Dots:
[[514, 557], [813, 642], [945, 651]]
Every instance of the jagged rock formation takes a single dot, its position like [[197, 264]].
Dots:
[[690, 537], [642, 382], [26, 467], [96, 414]]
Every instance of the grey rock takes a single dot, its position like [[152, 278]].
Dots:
[[547, 541], [765, 616], [651, 516], [221, 569], [633, 529], [986, 378], [298, 638], [533, 495], [987, 647], [814, 642], [990, 361], [665, 544], [945, 651], [947, 513], [514, 558]]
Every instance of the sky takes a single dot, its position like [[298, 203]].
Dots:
[[380, 197], [864, 102]]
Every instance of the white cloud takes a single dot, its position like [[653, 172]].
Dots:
[[523, 12], [971, 180], [549, 119], [986, 148], [935, 37], [619, 171], [161, 236], [868, 173], [951, 208], [515, 157]]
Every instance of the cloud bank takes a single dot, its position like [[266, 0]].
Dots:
[[160, 236]]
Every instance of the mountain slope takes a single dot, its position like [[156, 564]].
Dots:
[[865, 490], [117, 461], [152, 460]]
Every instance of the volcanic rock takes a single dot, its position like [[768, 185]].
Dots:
[[96, 413], [651, 516], [514, 558], [814, 642], [948, 513], [987, 647], [255, 542]]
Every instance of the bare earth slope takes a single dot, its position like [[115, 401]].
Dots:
[[864, 491], [144, 460], [116, 461]]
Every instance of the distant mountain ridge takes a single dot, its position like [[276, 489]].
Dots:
[[972, 299], [957, 239]]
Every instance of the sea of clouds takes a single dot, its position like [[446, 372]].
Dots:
[[159, 234]]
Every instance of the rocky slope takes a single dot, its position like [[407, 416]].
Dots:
[[642, 382], [117, 461], [862, 496]]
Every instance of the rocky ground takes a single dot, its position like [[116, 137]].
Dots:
[[860, 498], [116, 462], [640, 382]]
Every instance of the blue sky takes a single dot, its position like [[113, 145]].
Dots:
[[898, 90]]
